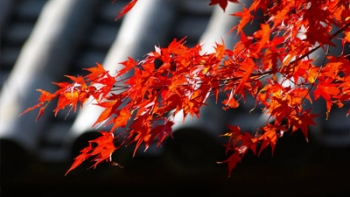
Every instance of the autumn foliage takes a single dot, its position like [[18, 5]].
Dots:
[[259, 66]]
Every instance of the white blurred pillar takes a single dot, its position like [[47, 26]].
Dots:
[[44, 58]]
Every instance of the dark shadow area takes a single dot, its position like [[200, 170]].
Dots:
[[15, 160], [297, 168]]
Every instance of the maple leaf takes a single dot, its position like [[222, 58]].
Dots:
[[129, 64], [222, 3], [248, 141], [231, 161], [263, 35], [192, 105], [110, 109], [84, 155], [239, 142], [347, 36], [234, 135], [126, 9], [269, 137], [230, 102], [270, 60], [122, 118], [247, 66], [104, 149], [95, 72], [70, 94], [141, 132], [245, 16], [327, 91], [280, 108], [303, 122], [160, 132], [102, 152], [44, 98], [107, 85]]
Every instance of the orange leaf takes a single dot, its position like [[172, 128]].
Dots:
[[129, 64], [122, 118], [264, 35], [104, 149], [327, 91], [46, 96], [95, 72], [269, 137], [303, 122], [245, 16], [247, 66], [230, 102], [110, 108], [347, 36]]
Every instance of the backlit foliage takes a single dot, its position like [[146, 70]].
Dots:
[[259, 65]]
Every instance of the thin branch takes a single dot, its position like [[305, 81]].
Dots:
[[314, 49]]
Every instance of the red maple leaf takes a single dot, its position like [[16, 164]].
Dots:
[[84, 155], [327, 91], [126, 9], [222, 3], [102, 152], [44, 98], [245, 16], [232, 161], [95, 72], [303, 122], [269, 137]]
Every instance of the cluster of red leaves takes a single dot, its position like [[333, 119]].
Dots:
[[259, 65], [102, 151]]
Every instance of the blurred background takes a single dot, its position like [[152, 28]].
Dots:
[[42, 40]]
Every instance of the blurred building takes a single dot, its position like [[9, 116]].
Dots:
[[43, 40]]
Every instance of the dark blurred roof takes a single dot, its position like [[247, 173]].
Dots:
[[94, 42], [100, 31], [91, 43]]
